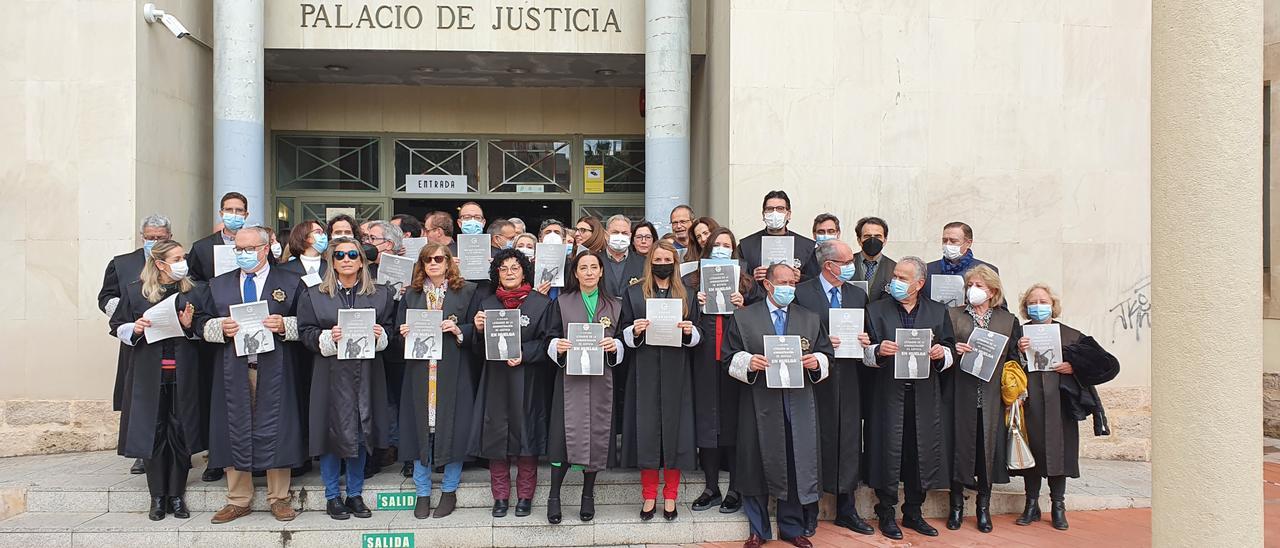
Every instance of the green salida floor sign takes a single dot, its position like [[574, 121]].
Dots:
[[397, 500], [387, 540]]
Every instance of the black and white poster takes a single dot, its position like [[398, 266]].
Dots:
[[425, 336], [357, 342], [413, 247], [912, 360], [719, 282], [473, 255], [1046, 346], [502, 334], [785, 361], [663, 315], [252, 337], [778, 249], [846, 323], [860, 284], [395, 271], [947, 289], [988, 348], [548, 264], [585, 357]]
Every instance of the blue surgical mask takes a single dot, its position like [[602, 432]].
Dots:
[[898, 289], [247, 260], [783, 294], [718, 252], [320, 243], [848, 271], [472, 226], [146, 247], [824, 237], [508, 244], [1039, 312], [232, 221]]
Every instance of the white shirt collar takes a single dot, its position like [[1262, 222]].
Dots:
[[257, 276], [826, 285], [773, 307]]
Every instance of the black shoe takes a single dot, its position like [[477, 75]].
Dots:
[[1030, 513], [670, 515], [706, 500], [370, 468], [357, 507], [524, 507], [422, 508], [138, 467], [732, 503], [1058, 515], [854, 523], [553, 510], [889, 527], [918, 524], [211, 475], [955, 516], [983, 513], [301, 470], [178, 507], [159, 506], [646, 515], [500, 508], [587, 511], [336, 509], [407, 469]]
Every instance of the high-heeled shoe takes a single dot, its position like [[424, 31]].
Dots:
[[646, 515], [587, 511], [670, 515], [553, 510]]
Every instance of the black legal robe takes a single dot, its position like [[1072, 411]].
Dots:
[[1054, 436], [582, 427], [659, 383], [348, 397], [839, 398], [631, 272], [200, 256], [715, 393], [455, 392], [264, 433], [142, 382], [121, 271], [301, 356], [964, 409], [761, 456], [749, 247], [513, 404], [884, 427]]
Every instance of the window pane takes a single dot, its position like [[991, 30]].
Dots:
[[306, 162], [323, 211], [437, 157], [603, 212], [528, 166], [623, 161], [284, 217]]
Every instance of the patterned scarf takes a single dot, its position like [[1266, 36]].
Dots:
[[960, 266], [512, 298]]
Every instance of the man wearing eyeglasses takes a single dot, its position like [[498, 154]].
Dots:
[[777, 215], [233, 211], [681, 222]]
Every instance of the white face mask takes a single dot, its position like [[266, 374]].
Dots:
[[977, 296], [775, 220], [528, 252], [951, 252], [619, 242], [275, 250], [552, 238], [179, 270]]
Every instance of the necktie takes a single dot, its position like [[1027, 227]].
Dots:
[[871, 268], [779, 322], [250, 288], [835, 297]]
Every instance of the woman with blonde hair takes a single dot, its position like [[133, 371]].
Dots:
[[162, 420]]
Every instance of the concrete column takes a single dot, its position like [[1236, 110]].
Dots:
[[238, 97], [1206, 266], [667, 100]]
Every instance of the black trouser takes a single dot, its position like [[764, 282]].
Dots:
[[713, 460], [1057, 487], [170, 459], [909, 468], [980, 470]]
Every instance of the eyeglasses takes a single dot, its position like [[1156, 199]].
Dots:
[[234, 210], [509, 269], [155, 238], [470, 217], [373, 240], [776, 209], [350, 255], [582, 229], [681, 222], [437, 259], [645, 237], [252, 248]]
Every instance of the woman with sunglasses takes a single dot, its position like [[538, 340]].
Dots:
[[437, 396], [657, 414], [162, 419], [348, 414], [514, 396]]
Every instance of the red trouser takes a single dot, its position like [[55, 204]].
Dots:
[[649, 484], [526, 477]]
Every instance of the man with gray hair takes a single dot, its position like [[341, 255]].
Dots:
[[519, 223], [121, 271], [502, 234], [385, 237], [621, 268], [905, 432]]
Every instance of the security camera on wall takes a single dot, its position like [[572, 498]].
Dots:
[[152, 14]]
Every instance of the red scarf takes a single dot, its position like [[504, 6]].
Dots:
[[511, 298]]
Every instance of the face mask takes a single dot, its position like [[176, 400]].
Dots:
[[232, 221], [775, 220], [552, 238], [718, 252], [370, 252], [848, 271], [528, 252], [824, 237], [898, 289], [472, 226], [977, 296], [619, 242], [247, 260], [508, 244], [663, 271], [320, 243], [1039, 312], [951, 252], [275, 250], [568, 250], [146, 247], [783, 294], [179, 270], [872, 247]]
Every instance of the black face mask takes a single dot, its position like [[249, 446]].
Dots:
[[872, 247], [370, 252], [663, 271]]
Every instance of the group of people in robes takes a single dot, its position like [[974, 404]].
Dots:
[[666, 409]]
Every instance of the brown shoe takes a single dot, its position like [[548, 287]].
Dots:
[[282, 511], [229, 513]]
